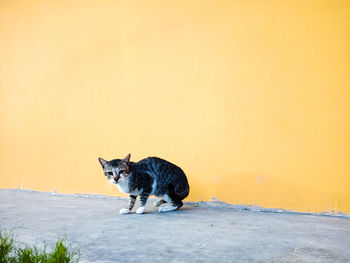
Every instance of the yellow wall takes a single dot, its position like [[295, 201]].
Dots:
[[250, 98]]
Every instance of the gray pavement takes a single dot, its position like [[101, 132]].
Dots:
[[195, 233]]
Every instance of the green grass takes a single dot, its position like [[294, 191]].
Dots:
[[9, 253]]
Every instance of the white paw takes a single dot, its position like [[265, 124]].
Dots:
[[166, 208], [140, 210], [124, 211]]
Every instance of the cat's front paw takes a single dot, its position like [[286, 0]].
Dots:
[[124, 211], [140, 210]]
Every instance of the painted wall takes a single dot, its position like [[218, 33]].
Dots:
[[250, 98]]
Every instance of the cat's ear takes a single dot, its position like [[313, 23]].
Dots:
[[127, 159], [102, 162]]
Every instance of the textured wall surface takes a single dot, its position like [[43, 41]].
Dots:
[[250, 98]]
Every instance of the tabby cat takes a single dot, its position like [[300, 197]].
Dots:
[[150, 176]]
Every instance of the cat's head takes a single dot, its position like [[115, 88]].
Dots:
[[116, 169]]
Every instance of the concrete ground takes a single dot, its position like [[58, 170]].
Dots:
[[196, 233]]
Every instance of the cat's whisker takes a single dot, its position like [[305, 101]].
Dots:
[[109, 182]]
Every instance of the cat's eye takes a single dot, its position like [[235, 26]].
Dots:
[[121, 171], [109, 173]]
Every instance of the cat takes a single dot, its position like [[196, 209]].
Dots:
[[150, 176]]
